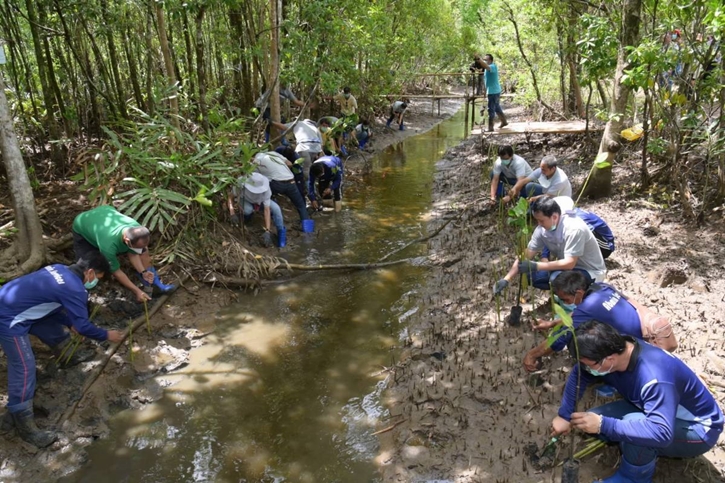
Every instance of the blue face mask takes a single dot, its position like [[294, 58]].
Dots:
[[597, 373], [91, 284], [569, 308]]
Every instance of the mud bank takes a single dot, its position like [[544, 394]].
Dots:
[[461, 403]]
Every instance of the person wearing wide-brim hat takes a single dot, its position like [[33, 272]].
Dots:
[[250, 194]]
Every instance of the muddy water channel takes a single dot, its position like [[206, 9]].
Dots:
[[287, 387]]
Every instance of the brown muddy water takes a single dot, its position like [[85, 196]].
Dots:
[[288, 386]]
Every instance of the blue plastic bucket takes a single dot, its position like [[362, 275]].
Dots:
[[308, 226]]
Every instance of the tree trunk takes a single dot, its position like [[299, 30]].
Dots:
[[28, 248], [191, 89], [200, 68], [113, 58], [133, 71], [168, 65], [274, 65], [562, 71], [56, 153], [600, 182], [150, 101]]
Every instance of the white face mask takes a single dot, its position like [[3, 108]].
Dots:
[[138, 251]]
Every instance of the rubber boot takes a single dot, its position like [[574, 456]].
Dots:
[[157, 281], [282, 237], [629, 473], [7, 424], [25, 425], [504, 122], [402, 128], [338, 206], [490, 125]]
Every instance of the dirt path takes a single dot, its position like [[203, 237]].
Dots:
[[460, 397], [178, 328]]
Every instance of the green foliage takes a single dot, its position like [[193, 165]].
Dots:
[[518, 217], [597, 48], [162, 173]]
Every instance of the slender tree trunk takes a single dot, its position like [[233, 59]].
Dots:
[[274, 64], [114, 60], [29, 251], [532, 71], [150, 101], [200, 68], [602, 94], [562, 71], [133, 72], [56, 153], [600, 182], [189, 56], [168, 65]]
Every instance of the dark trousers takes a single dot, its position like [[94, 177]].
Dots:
[[291, 191], [336, 193], [494, 106], [21, 360], [543, 278], [504, 184]]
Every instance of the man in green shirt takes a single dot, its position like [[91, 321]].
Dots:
[[111, 233]]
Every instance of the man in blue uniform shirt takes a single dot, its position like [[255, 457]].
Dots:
[[327, 171], [667, 411], [599, 301], [40, 304]]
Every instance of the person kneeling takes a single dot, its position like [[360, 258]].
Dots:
[[667, 411], [253, 193], [41, 304]]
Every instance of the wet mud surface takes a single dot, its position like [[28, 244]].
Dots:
[[464, 407]]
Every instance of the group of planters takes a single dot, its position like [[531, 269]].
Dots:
[[46, 302], [665, 409], [53, 299]]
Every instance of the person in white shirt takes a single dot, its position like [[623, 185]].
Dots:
[[570, 244], [251, 194], [547, 180], [508, 170], [309, 142], [277, 169]]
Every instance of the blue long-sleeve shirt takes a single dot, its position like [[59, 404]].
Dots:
[[28, 299], [333, 172], [660, 385], [598, 226], [603, 303]]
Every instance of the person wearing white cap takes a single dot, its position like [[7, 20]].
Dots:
[[251, 194]]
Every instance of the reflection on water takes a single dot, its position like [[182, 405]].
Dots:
[[288, 387]]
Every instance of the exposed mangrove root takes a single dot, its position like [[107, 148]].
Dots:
[[348, 266], [421, 239]]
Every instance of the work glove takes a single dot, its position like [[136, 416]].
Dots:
[[234, 220], [267, 239], [499, 286], [528, 267]]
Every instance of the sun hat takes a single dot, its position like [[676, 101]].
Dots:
[[256, 183]]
